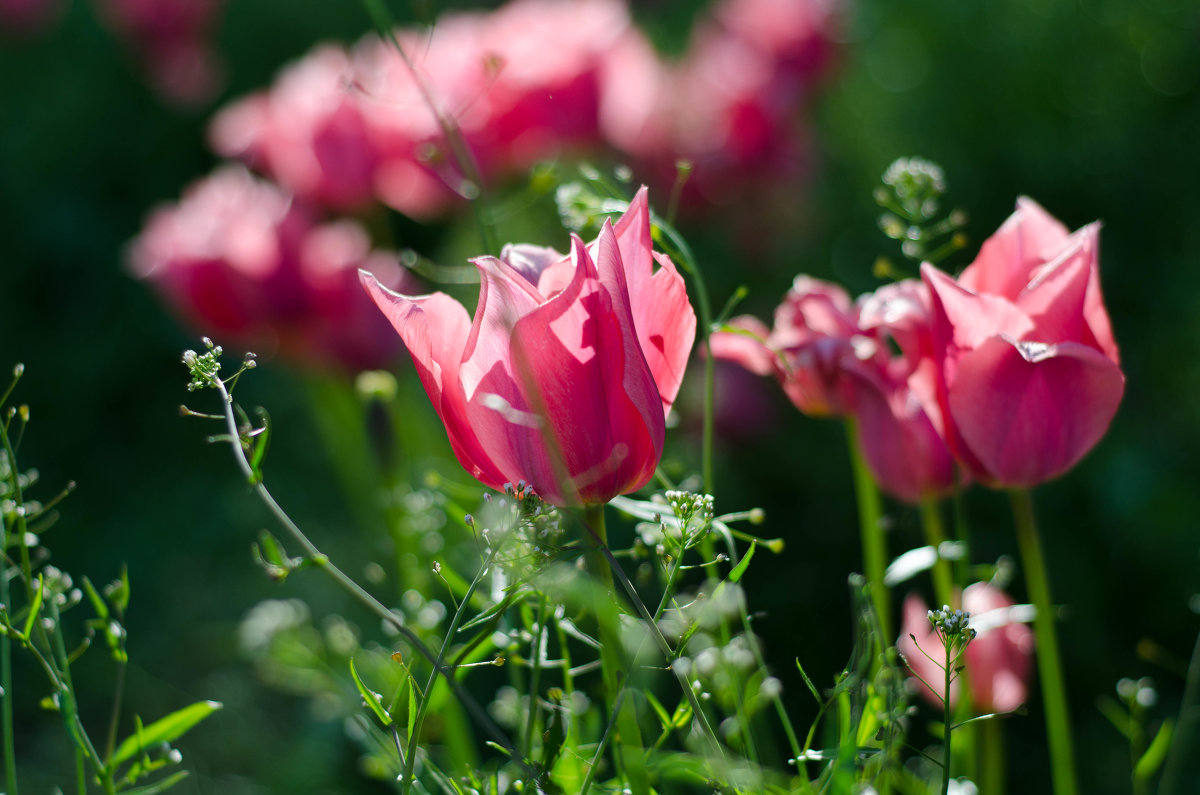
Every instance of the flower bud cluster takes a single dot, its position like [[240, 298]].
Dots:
[[952, 624]]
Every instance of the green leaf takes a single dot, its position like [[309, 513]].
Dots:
[[159, 786], [372, 699], [164, 730], [740, 569], [1156, 754]]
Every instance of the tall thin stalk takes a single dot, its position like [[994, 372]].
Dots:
[[1050, 674], [612, 656], [870, 520]]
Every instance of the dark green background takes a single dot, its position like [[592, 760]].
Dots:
[[1092, 107]]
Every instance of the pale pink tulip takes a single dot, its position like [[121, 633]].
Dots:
[[833, 358], [1028, 372], [565, 374], [997, 662]]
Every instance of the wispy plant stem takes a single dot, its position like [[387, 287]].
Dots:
[[6, 681], [1058, 726], [354, 589], [947, 718], [870, 520]]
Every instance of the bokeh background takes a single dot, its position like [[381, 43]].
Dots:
[[1092, 107]]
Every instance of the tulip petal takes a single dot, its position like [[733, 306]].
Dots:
[[435, 329], [745, 342], [578, 361], [1029, 237], [666, 324], [965, 319], [1029, 411]]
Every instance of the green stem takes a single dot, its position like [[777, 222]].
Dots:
[[1058, 727], [870, 520], [10, 753], [947, 716], [6, 681], [935, 536], [612, 656]]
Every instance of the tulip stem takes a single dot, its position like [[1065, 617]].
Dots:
[[613, 663], [1058, 727], [935, 536], [870, 519]]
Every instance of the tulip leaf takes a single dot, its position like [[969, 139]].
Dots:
[[1156, 753], [164, 730]]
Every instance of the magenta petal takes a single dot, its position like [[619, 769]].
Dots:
[[999, 658], [666, 324], [966, 319], [577, 360], [746, 344], [1028, 238], [1029, 411], [900, 444], [435, 329]]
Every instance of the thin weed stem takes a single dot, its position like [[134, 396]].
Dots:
[[353, 588]]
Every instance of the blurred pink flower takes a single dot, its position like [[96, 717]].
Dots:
[[238, 260], [834, 358], [1028, 371], [731, 106], [172, 41], [22, 18], [564, 376], [998, 660], [520, 84], [308, 132]]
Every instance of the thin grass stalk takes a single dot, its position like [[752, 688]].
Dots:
[[1050, 674]]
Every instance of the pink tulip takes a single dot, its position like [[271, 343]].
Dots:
[[1028, 372], [564, 376], [239, 260], [998, 660], [833, 358]]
